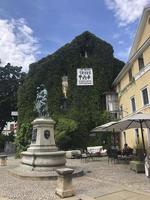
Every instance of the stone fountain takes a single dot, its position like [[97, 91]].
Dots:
[[42, 158], [42, 155]]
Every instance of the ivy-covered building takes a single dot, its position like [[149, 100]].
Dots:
[[76, 109]]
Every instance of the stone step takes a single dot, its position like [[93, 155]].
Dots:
[[80, 197]]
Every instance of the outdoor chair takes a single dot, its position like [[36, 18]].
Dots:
[[127, 152], [84, 156], [90, 156], [94, 156], [126, 156], [94, 152], [112, 155]]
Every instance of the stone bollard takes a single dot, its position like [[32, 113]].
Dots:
[[64, 183], [3, 160]]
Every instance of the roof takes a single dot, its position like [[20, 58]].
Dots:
[[139, 31]]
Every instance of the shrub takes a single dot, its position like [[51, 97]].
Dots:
[[23, 138]]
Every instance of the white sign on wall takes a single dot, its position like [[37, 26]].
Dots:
[[14, 113], [84, 76]]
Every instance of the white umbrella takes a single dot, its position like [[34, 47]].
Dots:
[[138, 120], [103, 128]]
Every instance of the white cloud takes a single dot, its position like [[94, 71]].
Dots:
[[126, 11], [17, 44]]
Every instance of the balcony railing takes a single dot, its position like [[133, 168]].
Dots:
[[142, 71]]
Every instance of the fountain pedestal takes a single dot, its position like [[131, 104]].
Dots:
[[42, 155]]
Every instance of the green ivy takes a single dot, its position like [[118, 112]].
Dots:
[[85, 105], [23, 138], [64, 129]]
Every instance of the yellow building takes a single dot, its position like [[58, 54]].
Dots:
[[133, 82]]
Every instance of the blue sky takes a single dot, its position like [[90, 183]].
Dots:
[[30, 30]]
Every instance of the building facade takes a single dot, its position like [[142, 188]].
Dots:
[[133, 82]]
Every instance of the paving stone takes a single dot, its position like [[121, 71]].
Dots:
[[80, 197], [124, 195], [127, 194], [101, 180], [139, 198], [1, 198]]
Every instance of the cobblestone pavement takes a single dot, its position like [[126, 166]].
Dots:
[[101, 178]]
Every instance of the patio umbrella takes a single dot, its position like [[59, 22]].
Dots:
[[103, 128], [138, 120]]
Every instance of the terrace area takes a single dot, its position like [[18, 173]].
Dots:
[[101, 181]]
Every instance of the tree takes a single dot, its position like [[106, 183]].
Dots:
[[11, 78], [64, 129]]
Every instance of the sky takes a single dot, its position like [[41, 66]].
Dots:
[[31, 30]]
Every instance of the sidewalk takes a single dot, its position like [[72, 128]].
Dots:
[[102, 181], [124, 195], [121, 195], [3, 198]]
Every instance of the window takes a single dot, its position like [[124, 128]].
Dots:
[[119, 87], [130, 75], [114, 115], [141, 62], [121, 111], [149, 20], [148, 136], [145, 96], [136, 136], [133, 104], [83, 53], [121, 108]]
